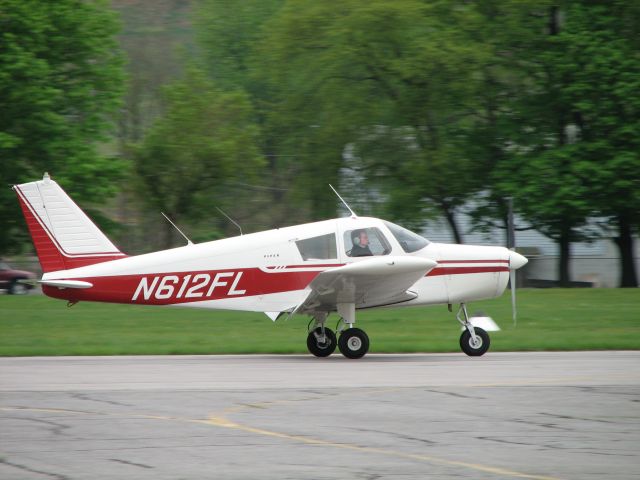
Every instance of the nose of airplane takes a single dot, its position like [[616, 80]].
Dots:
[[516, 260]]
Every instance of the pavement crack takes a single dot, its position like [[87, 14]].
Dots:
[[58, 428], [568, 417], [127, 462], [397, 435], [84, 396], [33, 470], [543, 425], [457, 395]]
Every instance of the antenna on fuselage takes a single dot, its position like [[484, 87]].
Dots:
[[189, 242], [353, 214], [231, 220]]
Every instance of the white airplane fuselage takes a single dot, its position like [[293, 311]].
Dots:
[[266, 272]]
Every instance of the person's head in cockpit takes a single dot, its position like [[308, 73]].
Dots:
[[360, 240]]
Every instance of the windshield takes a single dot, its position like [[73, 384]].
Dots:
[[409, 241]]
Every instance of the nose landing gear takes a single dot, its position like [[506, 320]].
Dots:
[[474, 341]]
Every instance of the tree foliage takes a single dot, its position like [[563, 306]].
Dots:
[[383, 77], [574, 153], [61, 81], [205, 139]]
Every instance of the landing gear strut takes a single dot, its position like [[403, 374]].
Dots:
[[474, 341]]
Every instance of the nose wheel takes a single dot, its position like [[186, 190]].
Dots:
[[474, 347], [474, 341]]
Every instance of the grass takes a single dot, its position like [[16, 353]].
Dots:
[[558, 319]]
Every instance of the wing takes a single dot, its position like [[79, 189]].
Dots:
[[367, 283]]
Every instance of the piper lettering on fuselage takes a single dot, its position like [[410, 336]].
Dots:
[[201, 285]]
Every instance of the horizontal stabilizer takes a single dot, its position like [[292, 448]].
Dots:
[[65, 283]]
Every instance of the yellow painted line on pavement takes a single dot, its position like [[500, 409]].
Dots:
[[222, 422], [225, 423]]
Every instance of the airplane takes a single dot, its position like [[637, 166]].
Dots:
[[341, 265]]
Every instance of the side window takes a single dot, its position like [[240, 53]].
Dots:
[[364, 242], [322, 247]]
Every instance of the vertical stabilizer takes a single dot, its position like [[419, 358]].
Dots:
[[62, 233]]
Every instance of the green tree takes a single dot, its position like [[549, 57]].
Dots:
[[574, 154], [230, 35], [206, 139], [604, 96], [227, 33], [377, 77], [61, 80]]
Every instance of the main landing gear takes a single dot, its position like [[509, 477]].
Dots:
[[474, 341], [321, 340], [352, 342]]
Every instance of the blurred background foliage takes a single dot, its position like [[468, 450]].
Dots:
[[413, 107]]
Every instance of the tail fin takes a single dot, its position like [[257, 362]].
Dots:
[[63, 235]]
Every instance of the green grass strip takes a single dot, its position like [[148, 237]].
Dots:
[[555, 319]]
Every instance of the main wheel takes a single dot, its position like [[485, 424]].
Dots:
[[324, 348], [353, 343], [479, 347]]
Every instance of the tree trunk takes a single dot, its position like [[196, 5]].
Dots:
[[624, 240], [564, 242], [451, 220]]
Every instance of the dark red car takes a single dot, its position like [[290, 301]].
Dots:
[[9, 280]]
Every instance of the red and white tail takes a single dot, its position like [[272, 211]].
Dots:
[[62, 233]]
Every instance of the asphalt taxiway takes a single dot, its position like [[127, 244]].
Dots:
[[505, 415]]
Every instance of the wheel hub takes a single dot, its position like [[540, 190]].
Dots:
[[354, 343]]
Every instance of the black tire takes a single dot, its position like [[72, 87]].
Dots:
[[17, 288], [469, 348], [353, 343], [322, 349]]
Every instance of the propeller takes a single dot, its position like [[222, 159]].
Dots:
[[516, 261]]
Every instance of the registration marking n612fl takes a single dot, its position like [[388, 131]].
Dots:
[[200, 285]]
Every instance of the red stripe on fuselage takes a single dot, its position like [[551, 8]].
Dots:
[[464, 270], [187, 287], [473, 261]]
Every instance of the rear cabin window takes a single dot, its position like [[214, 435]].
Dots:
[[320, 248], [365, 242]]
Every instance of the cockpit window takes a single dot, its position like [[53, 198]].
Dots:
[[364, 242], [322, 247], [409, 241]]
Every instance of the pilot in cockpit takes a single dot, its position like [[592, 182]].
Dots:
[[360, 241]]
